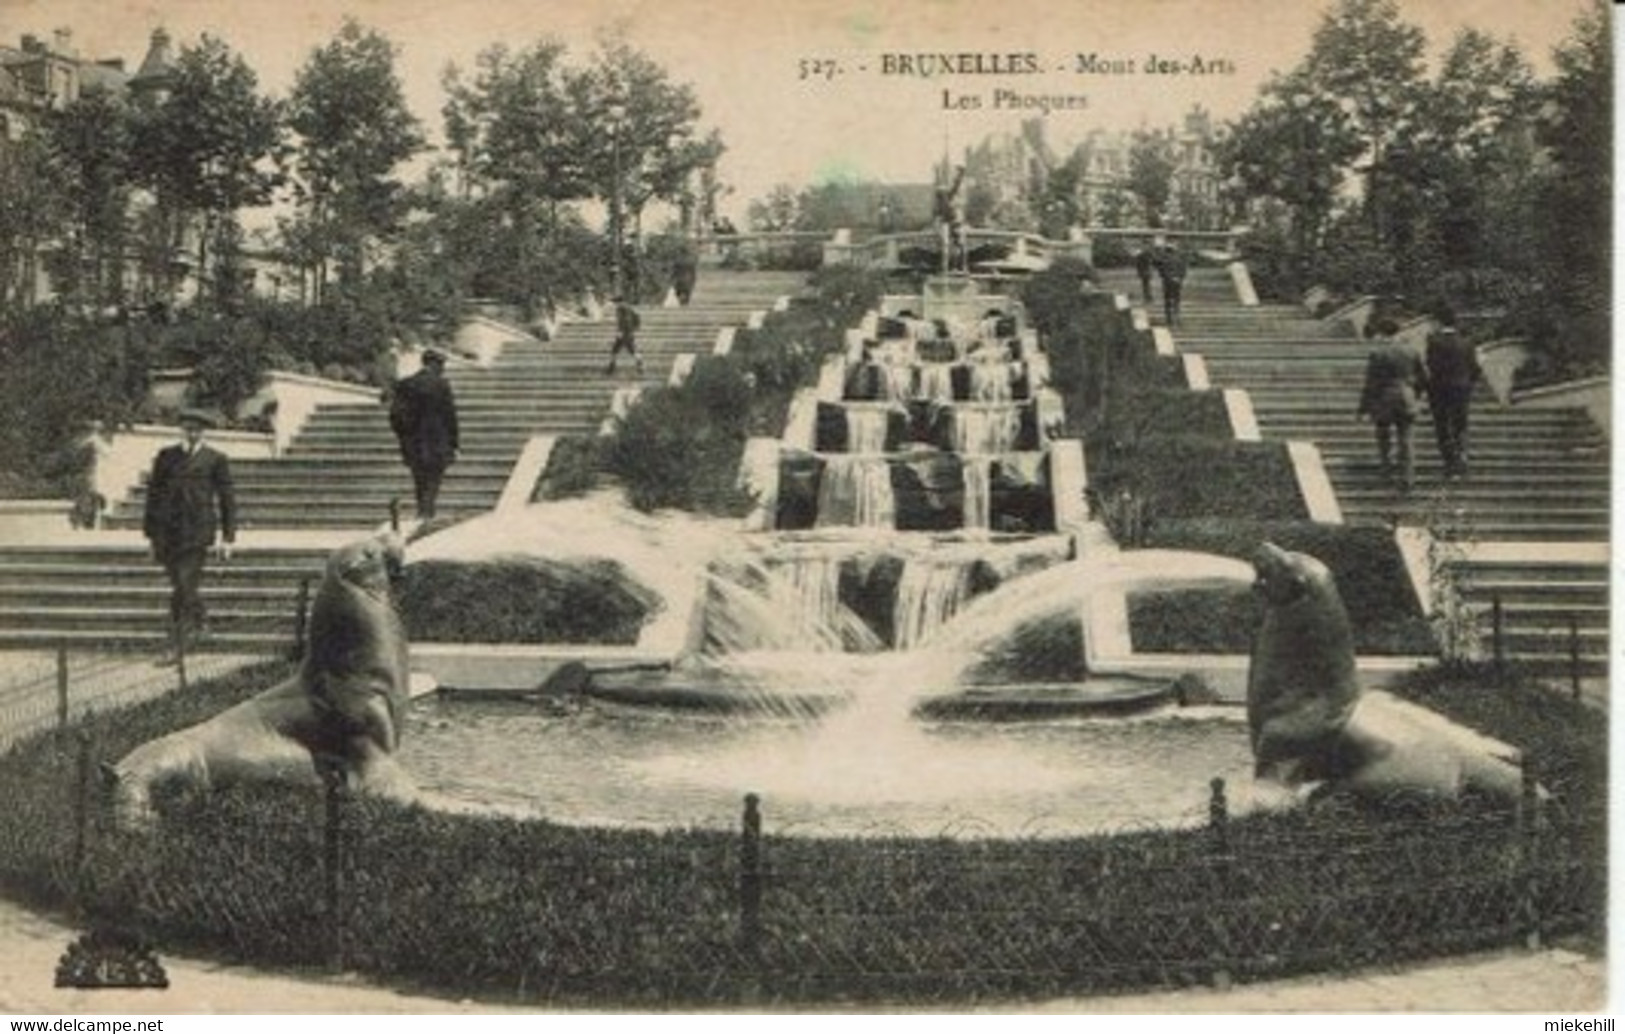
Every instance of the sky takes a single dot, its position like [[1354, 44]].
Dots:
[[745, 60]]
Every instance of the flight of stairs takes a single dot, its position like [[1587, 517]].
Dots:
[[1538, 486], [112, 597], [97, 590]]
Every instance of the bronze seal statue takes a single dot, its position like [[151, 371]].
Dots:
[[1310, 722], [341, 710]]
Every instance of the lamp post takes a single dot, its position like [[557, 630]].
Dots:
[[616, 115]]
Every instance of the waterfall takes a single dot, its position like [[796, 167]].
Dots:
[[937, 382], [984, 430], [978, 473], [814, 588], [866, 428], [928, 594], [856, 492], [990, 382], [897, 382]]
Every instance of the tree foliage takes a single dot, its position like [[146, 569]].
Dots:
[[349, 112]]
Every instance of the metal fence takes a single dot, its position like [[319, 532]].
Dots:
[[621, 917]]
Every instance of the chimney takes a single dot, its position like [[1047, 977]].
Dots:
[[31, 44], [62, 42], [115, 63]]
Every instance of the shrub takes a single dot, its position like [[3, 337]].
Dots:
[[572, 468], [1370, 573], [523, 600]]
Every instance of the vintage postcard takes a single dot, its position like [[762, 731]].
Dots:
[[835, 506]]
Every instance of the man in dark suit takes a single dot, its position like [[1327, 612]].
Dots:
[[190, 483], [1394, 378], [1170, 263], [423, 415], [1453, 371]]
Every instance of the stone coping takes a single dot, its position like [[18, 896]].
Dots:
[[1238, 405], [526, 472], [1316, 487], [1242, 278], [1196, 378]]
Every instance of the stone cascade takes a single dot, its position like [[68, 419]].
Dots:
[[921, 465]]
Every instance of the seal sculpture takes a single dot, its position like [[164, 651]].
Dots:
[[341, 710], [1310, 722]]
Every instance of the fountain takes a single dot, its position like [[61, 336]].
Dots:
[[932, 572]]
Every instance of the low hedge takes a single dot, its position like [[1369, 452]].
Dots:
[[522, 600], [1370, 573], [473, 904], [572, 468]]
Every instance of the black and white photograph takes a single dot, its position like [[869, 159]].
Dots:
[[833, 507]]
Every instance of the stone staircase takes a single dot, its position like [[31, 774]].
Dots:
[[1538, 486], [107, 595], [101, 590]]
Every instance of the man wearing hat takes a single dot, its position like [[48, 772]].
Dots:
[[627, 322], [190, 482], [423, 415]]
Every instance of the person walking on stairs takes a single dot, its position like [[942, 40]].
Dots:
[[1453, 372], [1170, 262], [189, 486], [423, 415], [1394, 379], [627, 322], [1144, 264]]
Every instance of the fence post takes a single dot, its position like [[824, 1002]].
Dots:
[[1529, 822], [1218, 811], [395, 514], [301, 617], [750, 879], [1574, 656], [62, 687], [1496, 629], [333, 860], [81, 815]]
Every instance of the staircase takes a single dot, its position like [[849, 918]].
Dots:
[[109, 595], [1538, 487], [337, 478]]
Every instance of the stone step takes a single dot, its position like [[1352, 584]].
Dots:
[[117, 619], [118, 560], [98, 579], [154, 642], [1559, 572]]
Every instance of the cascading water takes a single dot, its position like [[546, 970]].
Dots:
[[990, 382], [866, 427], [936, 382], [985, 430], [978, 475], [929, 593], [856, 492]]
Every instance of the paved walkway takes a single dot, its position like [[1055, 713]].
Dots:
[[1552, 981]]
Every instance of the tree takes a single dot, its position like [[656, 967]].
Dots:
[[649, 135], [777, 211], [1578, 240], [210, 148], [33, 207], [1292, 146], [1369, 62], [354, 129], [90, 141], [1151, 174]]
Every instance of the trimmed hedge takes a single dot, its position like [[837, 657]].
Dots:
[[472, 904], [522, 600], [1370, 573]]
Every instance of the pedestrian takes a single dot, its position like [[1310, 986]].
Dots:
[[1144, 264], [1170, 263], [627, 322], [684, 274], [1453, 372], [189, 502], [423, 415], [1394, 379]]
